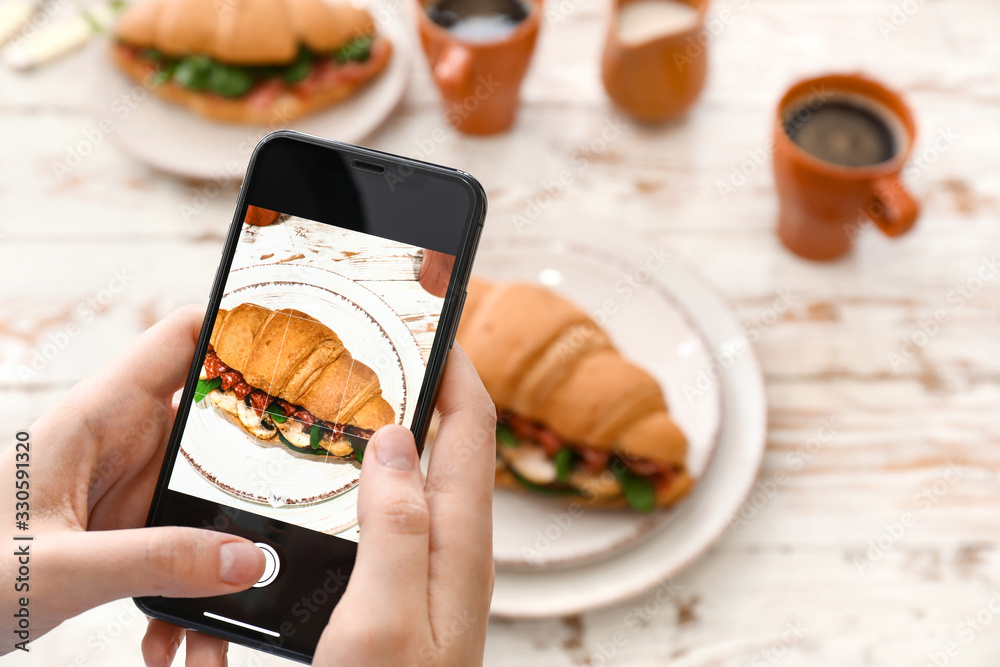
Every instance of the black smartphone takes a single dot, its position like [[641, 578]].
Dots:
[[333, 310]]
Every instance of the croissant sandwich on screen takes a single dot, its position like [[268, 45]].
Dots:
[[281, 374], [250, 61], [574, 417]]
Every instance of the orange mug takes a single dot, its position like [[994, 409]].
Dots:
[[824, 204], [655, 72], [479, 81]]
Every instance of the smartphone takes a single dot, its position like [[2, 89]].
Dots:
[[333, 310]]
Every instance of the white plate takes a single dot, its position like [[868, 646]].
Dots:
[[265, 472], [688, 530], [175, 140], [650, 328]]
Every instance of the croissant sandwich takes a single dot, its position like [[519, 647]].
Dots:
[[281, 374], [250, 61], [574, 417]]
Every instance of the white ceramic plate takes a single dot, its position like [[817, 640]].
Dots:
[[172, 139], [686, 531], [265, 472], [650, 328]]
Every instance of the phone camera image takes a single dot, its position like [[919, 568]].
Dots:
[[322, 336]]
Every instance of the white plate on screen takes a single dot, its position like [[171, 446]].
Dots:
[[172, 139], [650, 328], [685, 531], [265, 472]]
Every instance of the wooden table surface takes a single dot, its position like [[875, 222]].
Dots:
[[872, 537]]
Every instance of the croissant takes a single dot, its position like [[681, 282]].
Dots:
[[574, 417], [285, 374], [256, 61]]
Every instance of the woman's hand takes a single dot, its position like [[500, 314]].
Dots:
[[421, 587], [94, 461]]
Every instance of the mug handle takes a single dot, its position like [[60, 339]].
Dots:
[[897, 210], [453, 67]]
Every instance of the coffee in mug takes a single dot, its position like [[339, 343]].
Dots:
[[479, 20], [840, 144], [479, 52], [846, 132]]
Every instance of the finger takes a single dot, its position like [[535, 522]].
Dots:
[[205, 651], [91, 568], [390, 574], [462, 460], [158, 361], [160, 644], [459, 493]]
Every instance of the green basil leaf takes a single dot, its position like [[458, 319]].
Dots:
[[359, 445], [315, 435], [205, 387], [229, 81], [564, 464], [358, 50], [161, 76], [639, 492], [194, 72], [505, 436], [276, 413], [300, 68], [151, 54]]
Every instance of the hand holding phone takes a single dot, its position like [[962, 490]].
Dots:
[[407, 604], [92, 463], [332, 315]]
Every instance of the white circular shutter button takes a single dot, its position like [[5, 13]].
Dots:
[[271, 565]]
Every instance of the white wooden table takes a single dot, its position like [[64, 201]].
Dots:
[[860, 442]]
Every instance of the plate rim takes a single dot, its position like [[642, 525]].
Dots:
[[410, 340], [402, 57], [648, 527], [627, 592]]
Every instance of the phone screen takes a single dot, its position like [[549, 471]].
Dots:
[[322, 336], [321, 332]]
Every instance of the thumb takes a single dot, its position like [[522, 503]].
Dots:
[[100, 566], [394, 539]]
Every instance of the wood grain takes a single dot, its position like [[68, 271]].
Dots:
[[785, 587]]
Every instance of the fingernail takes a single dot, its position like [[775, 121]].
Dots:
[[240, 562], [394, 448]]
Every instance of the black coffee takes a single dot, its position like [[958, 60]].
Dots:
[[842, 133], [478, 20]]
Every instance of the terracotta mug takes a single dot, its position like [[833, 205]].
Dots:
[[659, 77], [480, 82], [823, 204]]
